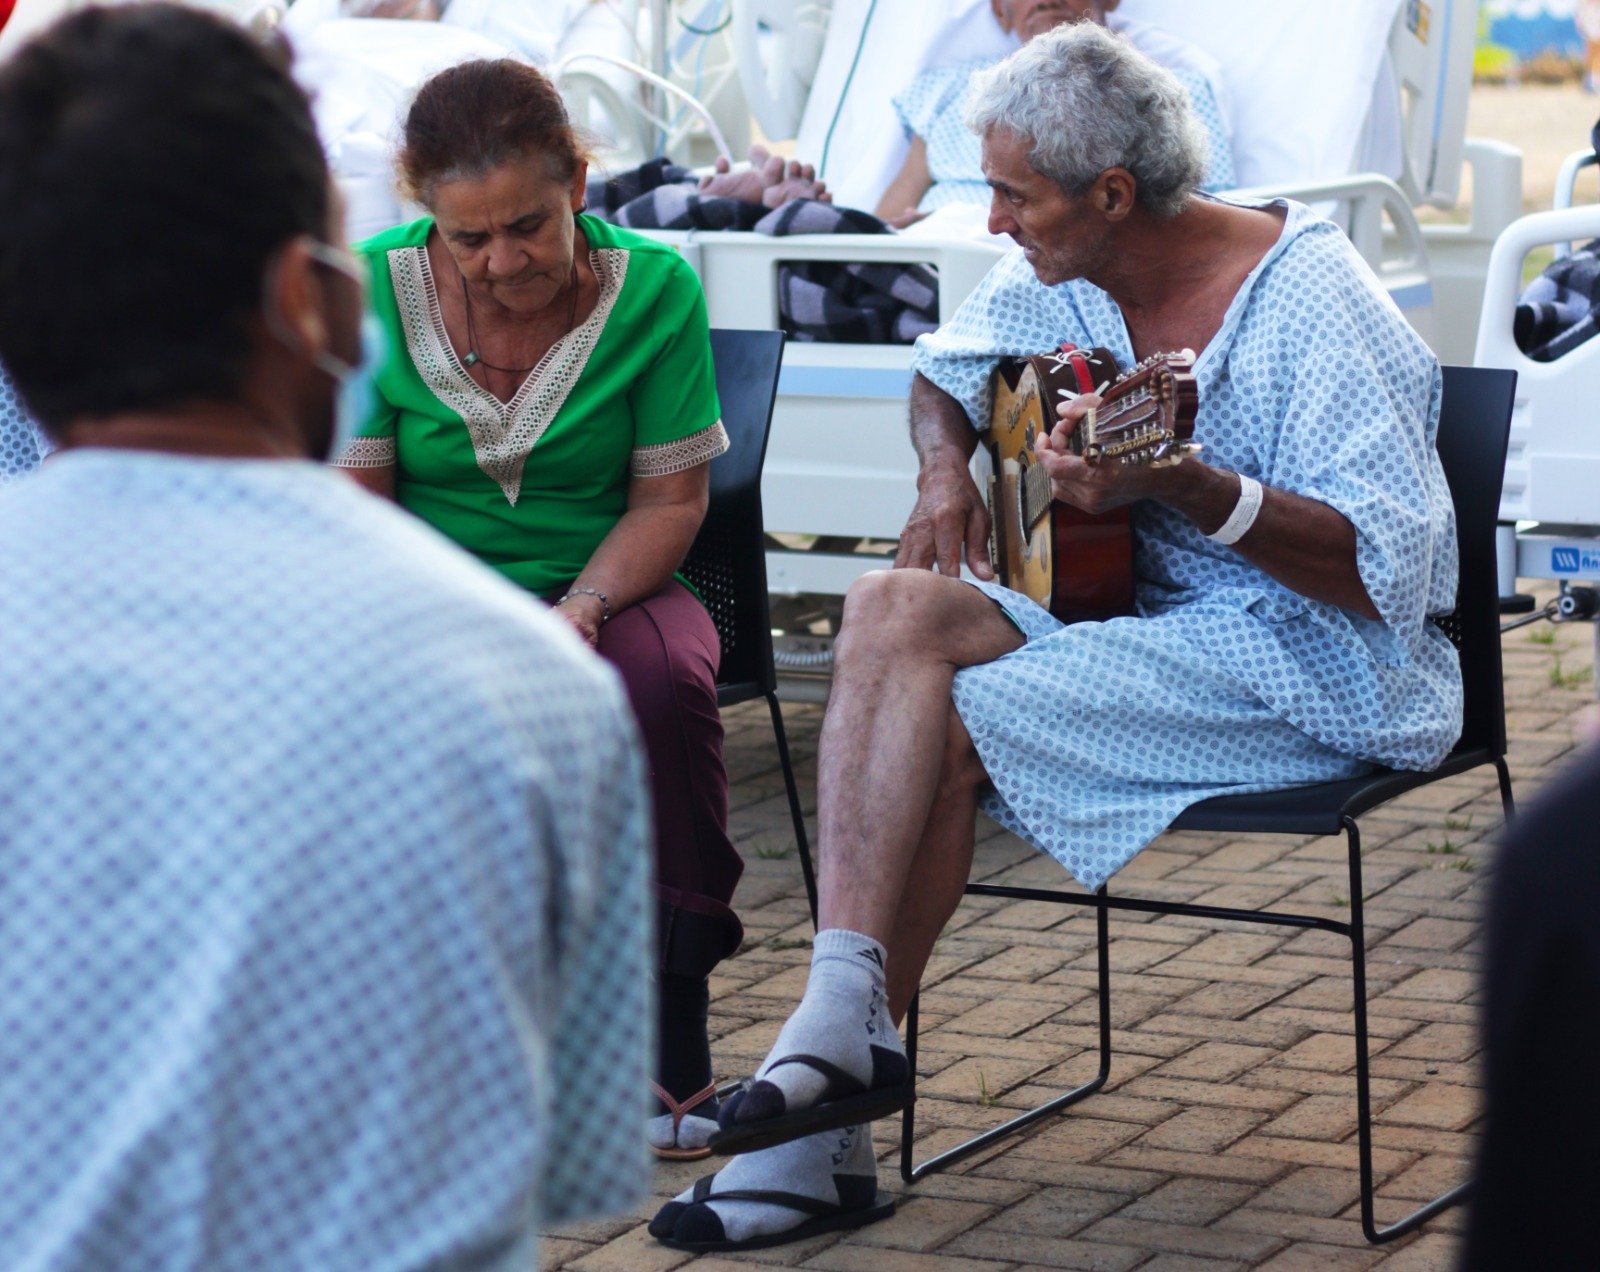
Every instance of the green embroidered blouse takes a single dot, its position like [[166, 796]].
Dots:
[[533, 485]]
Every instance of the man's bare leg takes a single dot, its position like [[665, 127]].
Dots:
[[942, 866], [886, 748], [896, 791], [899, 786]]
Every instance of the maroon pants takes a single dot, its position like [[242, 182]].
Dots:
[[666, 649]]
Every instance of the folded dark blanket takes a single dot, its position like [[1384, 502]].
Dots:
[[817, 300], [1561, 308]]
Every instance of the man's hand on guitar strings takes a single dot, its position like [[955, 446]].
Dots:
[[1096, 488], [949, 517], [1069, 415]]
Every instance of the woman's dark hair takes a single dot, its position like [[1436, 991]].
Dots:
[[480, 115], [152, 160]]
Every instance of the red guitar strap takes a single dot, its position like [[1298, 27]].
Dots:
[[1079, 362]]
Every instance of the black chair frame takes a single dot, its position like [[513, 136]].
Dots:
[[728, 563], [1473, 431]]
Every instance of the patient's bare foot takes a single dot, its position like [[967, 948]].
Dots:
[[749, 184], [799, 181], [768, 180]]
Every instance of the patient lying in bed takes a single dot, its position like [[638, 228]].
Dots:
[[943, 165], [942, 173]]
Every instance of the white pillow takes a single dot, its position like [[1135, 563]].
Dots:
[[1303, 75], [855, 138]]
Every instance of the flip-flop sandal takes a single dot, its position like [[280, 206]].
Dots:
[[847, 1102], [826, 1216], [678, 1112]]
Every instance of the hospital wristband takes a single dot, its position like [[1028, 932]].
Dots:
[[1243, 515]]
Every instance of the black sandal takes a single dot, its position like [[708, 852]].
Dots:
[[826, 1216], [847, 1101]]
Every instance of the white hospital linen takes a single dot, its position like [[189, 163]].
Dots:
[[1303, 77], [324, 881], [1098, 734]]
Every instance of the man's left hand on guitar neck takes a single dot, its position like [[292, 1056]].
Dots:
[[1306, 545]]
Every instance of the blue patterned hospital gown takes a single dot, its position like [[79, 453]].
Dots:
[[323, 880], [1097, 735], [22, 445], [935, 109]]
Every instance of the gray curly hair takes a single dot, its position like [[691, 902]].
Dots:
[[1090, 101]]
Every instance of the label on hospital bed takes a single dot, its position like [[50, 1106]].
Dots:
[[1419, 17], [1568, 560]]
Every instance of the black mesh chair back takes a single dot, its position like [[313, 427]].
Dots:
[[1472, 446], [728, 562]]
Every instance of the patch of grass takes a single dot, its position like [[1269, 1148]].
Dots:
[[1542, 636], [1466, 864], [986, 1097], [1560, 679], [1342, 902], [1458, 823], [779, 943], [774, 854], [1535, 263], [1447, 847]]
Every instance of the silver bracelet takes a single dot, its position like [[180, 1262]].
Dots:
[[1244, 512], [605, 604]]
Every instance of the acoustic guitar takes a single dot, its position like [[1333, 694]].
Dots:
[[1079, 565]]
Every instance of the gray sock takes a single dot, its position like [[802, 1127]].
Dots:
[[843, 1019], [835, 1167]]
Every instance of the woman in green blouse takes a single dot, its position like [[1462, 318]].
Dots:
[[548, 402]]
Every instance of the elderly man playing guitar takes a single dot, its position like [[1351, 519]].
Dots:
[[1283, 581]]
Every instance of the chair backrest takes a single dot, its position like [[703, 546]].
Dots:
[[728, 562], [1474, 425]]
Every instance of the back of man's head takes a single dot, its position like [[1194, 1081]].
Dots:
[[152, 160]]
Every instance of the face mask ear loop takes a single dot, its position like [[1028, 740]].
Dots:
[[324, 361]]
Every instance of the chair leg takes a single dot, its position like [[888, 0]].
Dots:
[[1358, 955], [1507, 804], [806, 869], [910, 1172]]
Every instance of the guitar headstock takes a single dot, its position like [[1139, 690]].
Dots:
[[1145, 416]]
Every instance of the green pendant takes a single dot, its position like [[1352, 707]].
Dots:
[[470, 359]]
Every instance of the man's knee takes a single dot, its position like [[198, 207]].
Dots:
[[908, 614], [889, 602]]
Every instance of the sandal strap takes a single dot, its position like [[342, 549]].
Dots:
[[840, 1083], [771, 1197], [680, 1110]]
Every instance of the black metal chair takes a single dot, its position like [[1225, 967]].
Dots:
[[728, 562], [1473, 431]]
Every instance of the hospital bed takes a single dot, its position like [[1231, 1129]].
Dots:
[[1550, 500], [1368, 122]]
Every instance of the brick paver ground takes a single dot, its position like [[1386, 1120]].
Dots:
[[1225, 1137]]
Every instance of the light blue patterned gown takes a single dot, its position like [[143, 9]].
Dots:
[[1097, 735], [22, 445], [934, 108], [323, 862]]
